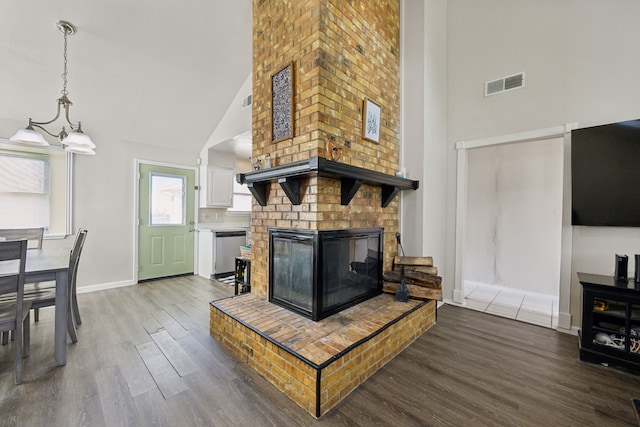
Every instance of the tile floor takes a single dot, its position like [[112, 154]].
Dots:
[[526, 306]]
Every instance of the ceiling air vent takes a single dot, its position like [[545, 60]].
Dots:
[[504, 84]]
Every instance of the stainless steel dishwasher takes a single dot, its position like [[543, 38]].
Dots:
[[226, 247]]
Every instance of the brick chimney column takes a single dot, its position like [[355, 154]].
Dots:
[[342, 51]]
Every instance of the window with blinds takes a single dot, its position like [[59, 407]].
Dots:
[[24, 190]]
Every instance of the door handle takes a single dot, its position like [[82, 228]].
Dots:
[[191, 230], [192, 223]]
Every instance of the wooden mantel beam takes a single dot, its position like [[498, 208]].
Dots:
[[351, 177]]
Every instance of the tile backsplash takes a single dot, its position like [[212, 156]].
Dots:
[[213, 215]]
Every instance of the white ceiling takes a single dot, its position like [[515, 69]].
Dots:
[[240, 145], [153, 72]]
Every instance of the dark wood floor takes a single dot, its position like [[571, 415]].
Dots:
[[145, 358]]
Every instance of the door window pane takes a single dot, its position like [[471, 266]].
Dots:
[[168, 199]]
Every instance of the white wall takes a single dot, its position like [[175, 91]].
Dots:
[[424, 129], [581, 64], [514, 215], [103, 203], [578, 56], [104, 197], [235, 121]]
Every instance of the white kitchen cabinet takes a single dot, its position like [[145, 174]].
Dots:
[[205, 253], [218, 188]]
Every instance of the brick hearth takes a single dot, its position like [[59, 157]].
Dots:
[[317, 364]]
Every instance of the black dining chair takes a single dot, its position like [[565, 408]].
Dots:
[[34, 237], [44, 294], [14, 313]]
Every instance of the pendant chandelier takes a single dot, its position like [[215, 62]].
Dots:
[[75, 141]]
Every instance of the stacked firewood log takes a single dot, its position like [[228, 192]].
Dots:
[[420, 276]]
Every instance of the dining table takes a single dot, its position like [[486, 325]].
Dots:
[[51, 263]]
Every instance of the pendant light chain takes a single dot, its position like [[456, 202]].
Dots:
[[64, 74]]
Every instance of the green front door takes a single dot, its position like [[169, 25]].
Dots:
[[166, 221]]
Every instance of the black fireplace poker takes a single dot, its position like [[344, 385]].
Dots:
[[402, 293]]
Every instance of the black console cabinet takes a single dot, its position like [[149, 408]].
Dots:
[[610, 330]]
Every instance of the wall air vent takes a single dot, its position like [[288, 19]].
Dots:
[[246, 101], [504, 84]]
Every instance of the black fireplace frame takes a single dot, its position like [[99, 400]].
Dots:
[[317, 237]]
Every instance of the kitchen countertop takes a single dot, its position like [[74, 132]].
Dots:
[[223, 227]]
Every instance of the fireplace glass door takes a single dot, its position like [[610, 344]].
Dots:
[[319, 273], [293, 270], [349, 268]]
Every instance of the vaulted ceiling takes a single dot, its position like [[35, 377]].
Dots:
[[153, 72]]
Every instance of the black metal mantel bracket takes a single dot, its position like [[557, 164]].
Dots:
[[289, 177]]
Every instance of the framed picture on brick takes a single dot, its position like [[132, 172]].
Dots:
[[282, 103], [371, 121]]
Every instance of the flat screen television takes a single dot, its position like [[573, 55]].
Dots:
[[605, 175]]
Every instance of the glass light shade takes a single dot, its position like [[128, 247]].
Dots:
[[29, 136], [78, 139], [80, 149]]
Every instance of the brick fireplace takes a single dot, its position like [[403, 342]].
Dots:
[[341, 51]]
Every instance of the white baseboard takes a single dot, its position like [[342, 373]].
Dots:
[[564, 320], [104, 286], [572, 331], [452, 302], [458, 296]]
